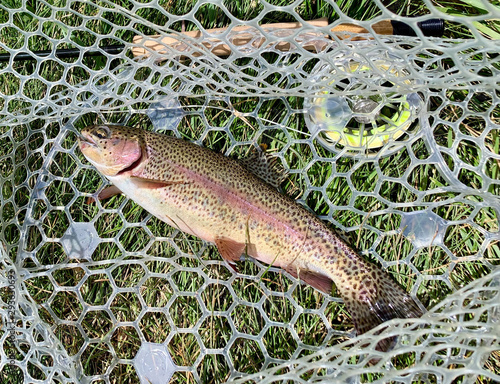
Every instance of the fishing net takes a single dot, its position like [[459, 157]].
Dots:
[[392, 139]]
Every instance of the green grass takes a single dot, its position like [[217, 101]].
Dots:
[[177, 265]]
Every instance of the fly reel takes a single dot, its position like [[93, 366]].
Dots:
[[367, 108]]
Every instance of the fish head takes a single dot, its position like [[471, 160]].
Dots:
[[113, 149]]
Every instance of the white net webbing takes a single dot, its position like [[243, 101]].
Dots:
[[393, 139]]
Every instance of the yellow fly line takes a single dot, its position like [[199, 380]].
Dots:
[[371, 134]]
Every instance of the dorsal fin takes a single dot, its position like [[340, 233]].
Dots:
[[265, 166]]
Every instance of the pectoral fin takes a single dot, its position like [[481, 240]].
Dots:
[[230, 250], [142, 182], [106, 193]]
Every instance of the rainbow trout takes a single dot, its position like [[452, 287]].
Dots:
[[220, 201]]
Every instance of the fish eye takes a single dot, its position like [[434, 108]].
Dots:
[[102, 132]]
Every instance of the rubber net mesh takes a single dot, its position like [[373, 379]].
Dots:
[[392, 139]]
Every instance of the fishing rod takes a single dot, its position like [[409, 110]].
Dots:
[[431, 27], [63, 53]]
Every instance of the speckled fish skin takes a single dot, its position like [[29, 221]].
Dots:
[[215, 198]]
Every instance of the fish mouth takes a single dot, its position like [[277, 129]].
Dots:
[[86, 139]]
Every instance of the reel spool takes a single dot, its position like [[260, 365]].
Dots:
[[363, 112]]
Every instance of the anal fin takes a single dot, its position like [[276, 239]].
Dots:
[[320, 282]]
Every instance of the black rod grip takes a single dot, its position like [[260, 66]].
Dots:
[[431, 27], [63, 53]]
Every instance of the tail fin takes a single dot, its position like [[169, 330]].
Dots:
[[371, 296], [377, 300]]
